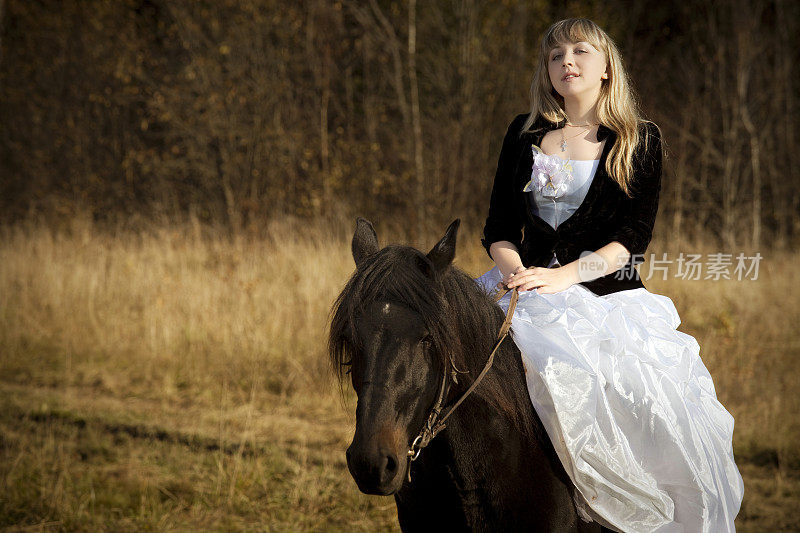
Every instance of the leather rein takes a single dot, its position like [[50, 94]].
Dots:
[[436, 420]]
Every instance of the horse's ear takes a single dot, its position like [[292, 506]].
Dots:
[[443, 253], [365, 241]]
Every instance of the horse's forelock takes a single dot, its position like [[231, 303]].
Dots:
[[394, 274]]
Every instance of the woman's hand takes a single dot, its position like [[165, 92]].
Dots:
[[508, 277], [503, 284], [543, 280]]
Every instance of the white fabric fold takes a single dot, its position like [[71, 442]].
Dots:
[[630, 408]]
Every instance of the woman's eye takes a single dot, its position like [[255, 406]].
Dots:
[[576, 51]]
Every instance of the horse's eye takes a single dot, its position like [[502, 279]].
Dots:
[[426, 342]]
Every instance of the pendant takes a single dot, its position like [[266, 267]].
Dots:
[[564, 146]]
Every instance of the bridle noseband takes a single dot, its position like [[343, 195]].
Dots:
[[435, 422]]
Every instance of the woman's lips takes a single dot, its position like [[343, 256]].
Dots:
[[570, 77]]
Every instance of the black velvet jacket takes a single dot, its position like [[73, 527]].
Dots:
[[605, 215]]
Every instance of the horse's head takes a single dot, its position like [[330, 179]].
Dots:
[[387, 333]]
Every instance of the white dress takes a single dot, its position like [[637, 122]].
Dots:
[[626, 400]]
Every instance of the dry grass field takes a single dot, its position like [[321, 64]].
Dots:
[[177, 379]]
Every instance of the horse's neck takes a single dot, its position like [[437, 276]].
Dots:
[[478, 431], [479, 428], [482, 471]]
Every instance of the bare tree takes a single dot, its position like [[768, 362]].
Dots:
[[241, 111], [419, 166]]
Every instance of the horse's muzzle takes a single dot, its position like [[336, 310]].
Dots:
[[376, 469]]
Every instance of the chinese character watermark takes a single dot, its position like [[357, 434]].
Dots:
[[716, 266]]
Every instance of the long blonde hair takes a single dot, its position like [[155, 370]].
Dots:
[[617, 107]]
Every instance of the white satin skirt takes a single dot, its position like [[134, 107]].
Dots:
[[630, 408]]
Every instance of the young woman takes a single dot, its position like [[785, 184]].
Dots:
[[625, 398]]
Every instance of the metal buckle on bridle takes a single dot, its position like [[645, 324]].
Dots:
[[412, 455], [432, 427], [428, 432], [434, 424]]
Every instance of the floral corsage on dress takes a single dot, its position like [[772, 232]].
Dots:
[[550, 174]]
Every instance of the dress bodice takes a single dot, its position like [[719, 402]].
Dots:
[[556, 210]]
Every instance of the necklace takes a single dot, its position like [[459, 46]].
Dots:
[[564, 140]]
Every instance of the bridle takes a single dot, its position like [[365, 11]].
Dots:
[[435, 422]]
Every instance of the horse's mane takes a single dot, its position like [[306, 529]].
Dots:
[[462, 320]]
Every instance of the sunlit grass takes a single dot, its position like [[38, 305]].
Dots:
[[177, 378]]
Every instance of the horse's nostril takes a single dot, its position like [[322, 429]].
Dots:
[[391, 464]]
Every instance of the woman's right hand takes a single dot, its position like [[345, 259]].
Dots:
[[507, 259], [503, 284]]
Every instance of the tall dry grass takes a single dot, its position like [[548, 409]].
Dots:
[[169, 314], [179, 376]]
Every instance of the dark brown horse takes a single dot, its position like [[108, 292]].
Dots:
[[405, 320]]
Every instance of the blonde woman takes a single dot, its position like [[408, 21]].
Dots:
[[626, 399]]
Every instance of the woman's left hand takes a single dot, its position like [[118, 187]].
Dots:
[[543, 280]]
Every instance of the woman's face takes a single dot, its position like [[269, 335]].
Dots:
[[577, 69]]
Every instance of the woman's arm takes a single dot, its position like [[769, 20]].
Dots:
[[599, 263], [593, 265], [640, 210], [506, 257], [504, 223]]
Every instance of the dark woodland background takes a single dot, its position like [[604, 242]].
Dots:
[[235, 112]]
